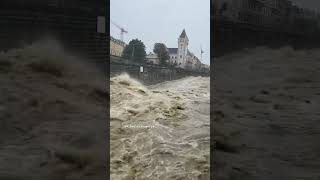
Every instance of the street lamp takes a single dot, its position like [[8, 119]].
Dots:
[[133, 50]]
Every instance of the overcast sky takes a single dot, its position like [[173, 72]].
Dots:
[[163, 21]]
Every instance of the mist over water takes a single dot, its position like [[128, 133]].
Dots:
[[160, 131]]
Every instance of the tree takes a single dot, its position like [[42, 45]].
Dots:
[[135, 50], [161, 50], [173, 64]]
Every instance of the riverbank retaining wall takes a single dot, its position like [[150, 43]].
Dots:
[[230, 36], [73, 23], [147, 73]]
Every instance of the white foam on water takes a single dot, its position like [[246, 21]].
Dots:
[[174, 147]]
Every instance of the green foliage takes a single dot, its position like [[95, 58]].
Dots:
[[172, 64], [175, 64], [161, 50], [135, 50]]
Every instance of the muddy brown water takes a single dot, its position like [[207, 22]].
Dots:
[[160, 131], [267, 124]]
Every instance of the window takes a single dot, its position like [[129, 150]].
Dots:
[[180, 56]]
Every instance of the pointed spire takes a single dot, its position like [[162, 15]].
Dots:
[[183, 34]]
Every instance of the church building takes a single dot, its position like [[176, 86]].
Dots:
[[181, 55]]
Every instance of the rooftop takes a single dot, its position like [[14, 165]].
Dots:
[[118, 41], [183, 34], [173, 50]]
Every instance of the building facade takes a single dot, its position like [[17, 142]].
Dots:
[[181, 56], [275, 13], [193, 62], [153, 58], [116, 47]]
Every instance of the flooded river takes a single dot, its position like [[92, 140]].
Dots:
[[160, 132], [266, 114]]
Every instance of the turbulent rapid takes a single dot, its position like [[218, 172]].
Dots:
[[265, 114], [161, 131], [52, 114]]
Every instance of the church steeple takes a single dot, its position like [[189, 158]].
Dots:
[[183, 34], [183, 42]]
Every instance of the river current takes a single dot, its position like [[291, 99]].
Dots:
[[160, 132]]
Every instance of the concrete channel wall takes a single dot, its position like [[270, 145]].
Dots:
[[147, 73]]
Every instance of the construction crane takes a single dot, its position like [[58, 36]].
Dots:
[[121, 29]]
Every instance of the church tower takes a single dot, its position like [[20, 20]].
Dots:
[[183, 42]]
